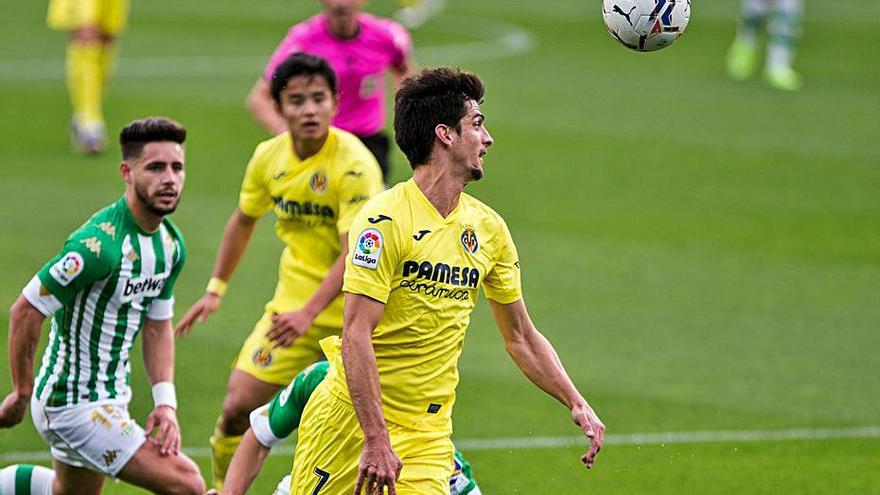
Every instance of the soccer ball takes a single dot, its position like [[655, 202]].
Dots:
[[646, 25]]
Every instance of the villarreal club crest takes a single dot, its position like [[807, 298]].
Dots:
[[469, 240]]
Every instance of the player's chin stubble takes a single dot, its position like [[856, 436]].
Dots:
[[150, 203]]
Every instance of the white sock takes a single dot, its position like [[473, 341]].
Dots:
[[40, 480]]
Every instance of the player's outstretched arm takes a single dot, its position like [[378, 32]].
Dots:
[[263, 110], [379, 466], [236, 237], [537, 359], [25, 322], [287, 327], [158, 351], [245, 465]]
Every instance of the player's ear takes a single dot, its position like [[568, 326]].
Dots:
[[444, 133], [125, 171]]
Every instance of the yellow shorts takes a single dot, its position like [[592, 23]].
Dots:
[[278, 365], [109, 16], [330, 443]]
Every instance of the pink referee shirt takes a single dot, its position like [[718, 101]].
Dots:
[[360, 64]]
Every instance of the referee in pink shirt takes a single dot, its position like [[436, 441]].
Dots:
[[360, 48]]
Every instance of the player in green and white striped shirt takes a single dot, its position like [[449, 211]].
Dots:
[[113, 279]]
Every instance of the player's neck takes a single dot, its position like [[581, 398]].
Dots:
[[147, 220], [442, 188], [307, 148], [343, 30]]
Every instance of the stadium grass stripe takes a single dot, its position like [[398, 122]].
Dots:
[[507, 40], [517, 443]]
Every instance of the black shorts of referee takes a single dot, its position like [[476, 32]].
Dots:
[[378, 145]]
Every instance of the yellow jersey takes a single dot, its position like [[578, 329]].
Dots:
[[315, 201], [428, 271]]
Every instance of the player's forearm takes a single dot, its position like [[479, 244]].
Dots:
[[362, 376], [25, 322], [245, 465], [262, 109], [158, 350], [331, 286], [537, 359], [236, 237]]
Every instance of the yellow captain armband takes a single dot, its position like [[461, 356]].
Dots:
[[217, 286]]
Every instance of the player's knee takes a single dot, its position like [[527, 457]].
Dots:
[[188, 480], [86, 34], [234, 417]]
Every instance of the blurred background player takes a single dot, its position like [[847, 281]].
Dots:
[[361, 48], [275, 421], [783, 23], [316, 178], [91, 58], [113, 280], [414, 13]]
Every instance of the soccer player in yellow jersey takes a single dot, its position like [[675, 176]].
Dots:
[[315, 177], [418, 256], [94, 26]]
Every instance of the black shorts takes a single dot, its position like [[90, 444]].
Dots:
[[378, 145]]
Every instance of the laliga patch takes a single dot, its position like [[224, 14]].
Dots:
[[67, 268], [368, 249]]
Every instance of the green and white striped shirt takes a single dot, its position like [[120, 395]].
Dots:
[[108, 277]]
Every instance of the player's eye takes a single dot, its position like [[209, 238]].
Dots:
[[177, 167]]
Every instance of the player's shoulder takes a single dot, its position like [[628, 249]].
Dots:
[[391, 206], [272, 145], [309, 27], [381, 25], [100, 237], [481, 210], [352, 157], [174, 233]]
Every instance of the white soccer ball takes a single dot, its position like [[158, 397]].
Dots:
[[646, 25]]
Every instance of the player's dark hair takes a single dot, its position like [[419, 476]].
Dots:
[[431, 97], [300, 64], [137, 134]]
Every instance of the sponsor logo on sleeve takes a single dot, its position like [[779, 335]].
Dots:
[[67, 268], [368, 249], [93, 244], [379, 218]]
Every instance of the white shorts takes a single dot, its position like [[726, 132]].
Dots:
[[101, 437], [283, 487]]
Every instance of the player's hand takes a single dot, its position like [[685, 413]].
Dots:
[[12, 409], [163, 421], [287, 327], [378, 468], [197, 312], [584, 416]]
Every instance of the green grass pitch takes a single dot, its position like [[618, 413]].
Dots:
[[704, 254]]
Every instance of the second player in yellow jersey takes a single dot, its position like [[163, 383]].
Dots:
[[315, 178]]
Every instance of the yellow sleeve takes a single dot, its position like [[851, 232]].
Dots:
[[359, 182], [254, 199], [502, 283], [373, 255]]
